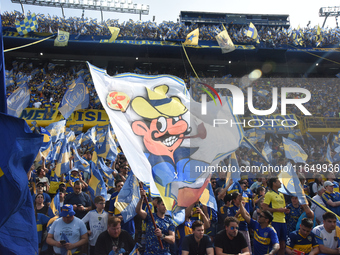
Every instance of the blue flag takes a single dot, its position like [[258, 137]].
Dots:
[[76, 97], [19, 100], [310, 137], [19, 146], [267, 152], [3, 101]]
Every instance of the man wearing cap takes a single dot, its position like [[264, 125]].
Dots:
[[67, 232], [72, 178], [40, 190], [80, 200], [331, 198]]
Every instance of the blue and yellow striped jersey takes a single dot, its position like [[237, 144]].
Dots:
[[264, 238], [296, 241], [41, 220]]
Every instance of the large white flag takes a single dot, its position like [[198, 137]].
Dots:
[[166, 140]]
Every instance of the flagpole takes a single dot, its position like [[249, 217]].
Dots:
[[151, 215]]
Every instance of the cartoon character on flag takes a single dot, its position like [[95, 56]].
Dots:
[[164, 134], [163, 130]]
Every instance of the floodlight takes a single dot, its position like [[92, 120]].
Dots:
[[125, 6]]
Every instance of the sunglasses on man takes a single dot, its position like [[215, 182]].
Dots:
[[262, 216]]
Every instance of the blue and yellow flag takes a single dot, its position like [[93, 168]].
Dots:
[[263, 93], [50, 66], [57, 130], [114, 32], [135, 249], [76, 97], [192, 37], [329, 155], [54, 209], [19, 146], [128, 198], [310, 137], [80, 162], [62, 39], [208, 197], [108, 148], [96, 184], [291, 184], [224, 41], [18, 101], [318, 36], [27, 25], [55, 151], [252, 32], [248, 143], [294, 151], [63, 161], [77, 128], [47, 146]]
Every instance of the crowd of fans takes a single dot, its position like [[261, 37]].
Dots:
[[254, 202], [268, 36], [49, 83]]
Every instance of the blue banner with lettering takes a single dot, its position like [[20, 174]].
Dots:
[[76, 97]]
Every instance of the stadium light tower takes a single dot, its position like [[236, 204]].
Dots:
[[122, 6], [329, 11]]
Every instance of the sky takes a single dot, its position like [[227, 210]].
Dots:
[[300, 12]]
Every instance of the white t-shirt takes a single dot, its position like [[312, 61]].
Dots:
[[98, 224], [325, 238], [316, 209], [73, 231], [37, 104]]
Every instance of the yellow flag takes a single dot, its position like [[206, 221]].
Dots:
[[318, 36], [62, 39], [114, 31], [192, 37], [224, 41]]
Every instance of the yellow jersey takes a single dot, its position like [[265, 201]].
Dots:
[[276, 200]]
